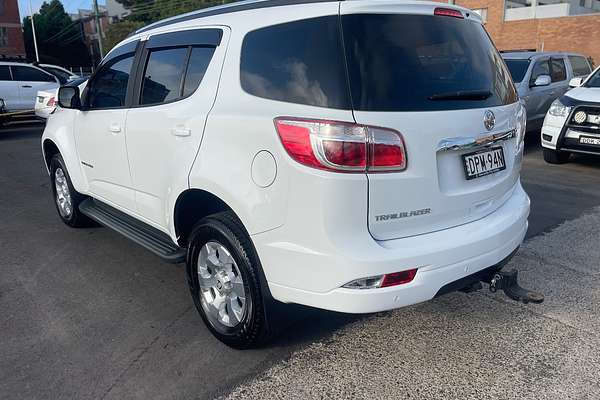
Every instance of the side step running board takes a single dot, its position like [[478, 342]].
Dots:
[[152, 239]]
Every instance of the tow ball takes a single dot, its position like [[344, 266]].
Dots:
[[507, 281]]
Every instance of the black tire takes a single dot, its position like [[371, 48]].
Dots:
[[75, 219], [226, 229], [556, 156]]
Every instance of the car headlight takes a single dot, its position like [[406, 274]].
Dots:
[[558, 109], [521, 125]]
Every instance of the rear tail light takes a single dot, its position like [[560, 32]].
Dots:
[[342, 146], [381, 281], [51, 102], [447, 12]]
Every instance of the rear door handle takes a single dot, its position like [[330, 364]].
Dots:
[[115, 128], [181, 132], [26, 86]]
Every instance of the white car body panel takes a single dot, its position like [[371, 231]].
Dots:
[[42, 109], [311, 228]]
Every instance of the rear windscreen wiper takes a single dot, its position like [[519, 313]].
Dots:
[[462, 95]]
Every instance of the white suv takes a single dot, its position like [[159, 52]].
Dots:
[[352, 156], [572, 124]]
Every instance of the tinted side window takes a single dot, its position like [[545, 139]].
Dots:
[[22, 73], [297, 62], [540, 68], [580, 66], [163, 75], [4, 73], [559, 72], [197, 66], [109, 86]]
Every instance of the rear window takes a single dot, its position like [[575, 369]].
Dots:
[[296, 62], [400, 62], [517, 69], [559, 72], [580, 66]]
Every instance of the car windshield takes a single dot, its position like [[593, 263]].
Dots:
[[62, 76], [517, 68], [594, 81], [401, 62]]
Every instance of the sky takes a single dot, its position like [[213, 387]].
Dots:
[[71, 6]]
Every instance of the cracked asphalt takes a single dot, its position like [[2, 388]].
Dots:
[[86, 314]]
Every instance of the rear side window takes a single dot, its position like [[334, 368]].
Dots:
[[559, 72], [163, 75], [580, 66], [174, 73], [296, 62], [5, 73], [199, 60], [400, 62], [30, 74]]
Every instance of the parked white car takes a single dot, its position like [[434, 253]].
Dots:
[[279, 163], [46, 100], [63, 74], [19, 84], [572, 124]]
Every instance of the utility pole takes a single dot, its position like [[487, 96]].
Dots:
[[37, 56], [98, 29]]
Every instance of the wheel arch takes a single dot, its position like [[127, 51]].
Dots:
[[191, 206]]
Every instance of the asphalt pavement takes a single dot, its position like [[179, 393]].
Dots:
[[87, 314]]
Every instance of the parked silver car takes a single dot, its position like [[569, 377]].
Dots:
[[542, 77]]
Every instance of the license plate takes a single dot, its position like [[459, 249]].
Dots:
[[483, 162], [589, 140]]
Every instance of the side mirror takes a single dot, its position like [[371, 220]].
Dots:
[[575, 82], [68, 97], [542, 80]]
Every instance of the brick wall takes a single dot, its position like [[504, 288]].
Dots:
[[580, 34], [10, 19]]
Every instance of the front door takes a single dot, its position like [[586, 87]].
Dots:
[[9, 91], [100, 132], [539, 98]]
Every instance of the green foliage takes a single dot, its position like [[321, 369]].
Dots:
[[119, 31], [150, 11], [59, 39]]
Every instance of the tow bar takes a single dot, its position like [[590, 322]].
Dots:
[[507, 281]]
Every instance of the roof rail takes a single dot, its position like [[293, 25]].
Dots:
[[519, 51], [226, 9]]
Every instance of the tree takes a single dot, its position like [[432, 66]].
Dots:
[[118, 31], [60, 40], [150, 11]]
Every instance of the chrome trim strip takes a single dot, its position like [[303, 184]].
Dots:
[[467, 143]]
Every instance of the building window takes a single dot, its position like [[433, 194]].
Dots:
[[3, 36], [530, 9], [2, 7], [482, 13]]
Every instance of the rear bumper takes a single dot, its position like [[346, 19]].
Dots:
[[441, 258]]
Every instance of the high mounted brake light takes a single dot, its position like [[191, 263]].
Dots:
[[342, 146], [448, 12]]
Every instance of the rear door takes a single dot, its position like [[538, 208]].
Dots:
[[435, 79], [560, 81], [30, 80], [175, 89]]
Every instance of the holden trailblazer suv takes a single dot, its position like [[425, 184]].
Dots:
[[572, 124], [353, 156]]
